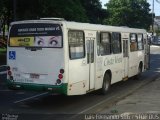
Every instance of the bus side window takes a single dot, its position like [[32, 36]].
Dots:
[[116, 43], [133, 42], [140, 42], [76, 44], [105, 43]]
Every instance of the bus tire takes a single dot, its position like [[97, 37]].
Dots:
[[139, 72], [106, 83]]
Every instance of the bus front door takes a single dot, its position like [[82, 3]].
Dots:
[[90, 60]]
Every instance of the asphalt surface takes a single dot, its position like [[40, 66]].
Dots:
[[46, 106]]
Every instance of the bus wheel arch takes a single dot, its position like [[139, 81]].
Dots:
[[106, 82]]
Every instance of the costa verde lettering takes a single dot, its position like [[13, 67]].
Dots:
[[111, 61]]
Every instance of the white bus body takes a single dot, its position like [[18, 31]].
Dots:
[[73, 58]]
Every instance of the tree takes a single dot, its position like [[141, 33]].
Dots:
[[131, 13], [28, 9], [72, 10], [33, 9], [94, 11], [5, 15]]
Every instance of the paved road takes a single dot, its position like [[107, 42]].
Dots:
[[33, 105], [144, 100]]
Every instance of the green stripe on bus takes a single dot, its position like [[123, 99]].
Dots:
[[38, 87]]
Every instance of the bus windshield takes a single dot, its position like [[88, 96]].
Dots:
[[36, 35]]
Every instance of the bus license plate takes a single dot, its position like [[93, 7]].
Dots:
[[34, 76]]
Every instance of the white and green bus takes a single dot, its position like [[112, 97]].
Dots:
[[73, 58]]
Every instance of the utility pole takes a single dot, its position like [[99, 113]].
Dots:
[[152, 18]]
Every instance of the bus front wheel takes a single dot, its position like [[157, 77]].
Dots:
[[139, 72], [106, 84]]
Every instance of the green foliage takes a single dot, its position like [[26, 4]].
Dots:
[[33, 9], [72, 10], [5, 16], [158, 32], [94, 11], [131, 13]]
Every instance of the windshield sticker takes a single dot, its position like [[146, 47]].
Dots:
[[21, 41], [12, 55], [35, 29], [37, 41], [48, 41], [36, 35]]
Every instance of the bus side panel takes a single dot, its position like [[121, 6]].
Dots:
[[134, 60], [114, 63], [99, 72], [78, 76]]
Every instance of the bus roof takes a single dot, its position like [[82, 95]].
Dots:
[[84, 26], [99, 27]]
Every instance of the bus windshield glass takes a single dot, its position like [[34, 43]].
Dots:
[[36, 35]]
